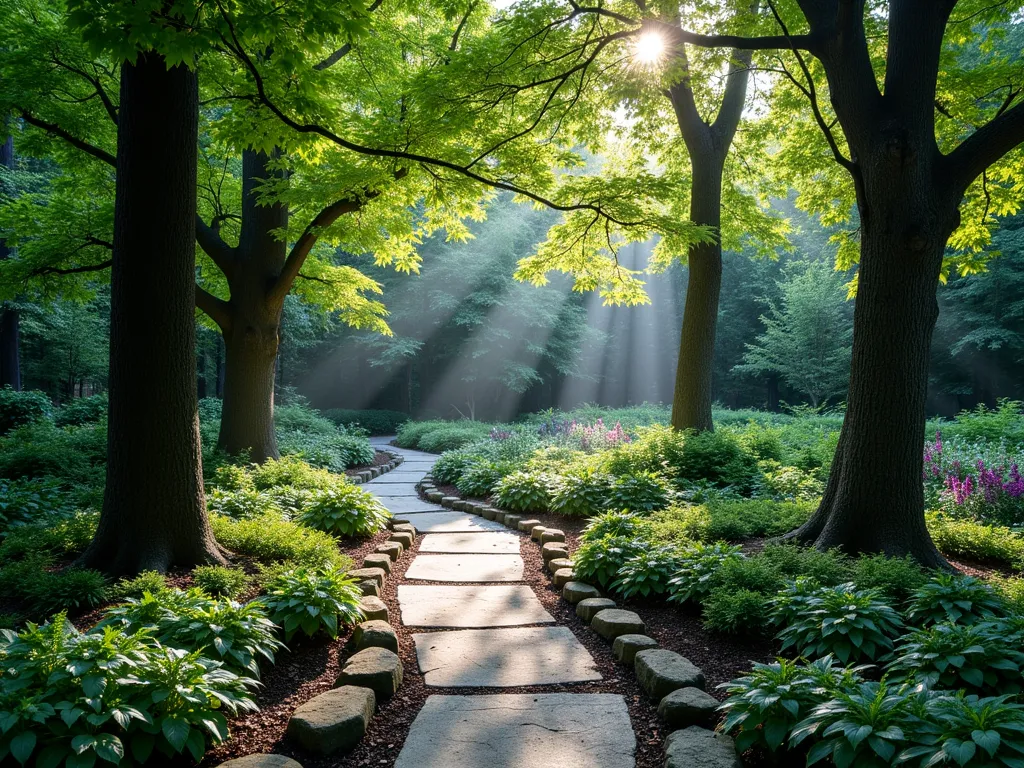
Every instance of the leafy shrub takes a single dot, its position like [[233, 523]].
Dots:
[[983, 658], [647, 572], [580, 493], [600, 559], [82, 410], [31, 500], [68, 590], [291, 472], [789, 482], [735, 611], [896, 578], [969, 731], [765, 705], [219, 581], [756, 574], [479, 479], [345, 510], [864, 726], [375, 422], [452, 436], [312, 599], [74, 698], [409, 434], [136, 587], [956, 599], [449, 467], [62, 538], [613, 523], [716, 457], [270, 539], [241, 504], [793, 560], [20, 408], [853, 625], [735, 520], [336, 452], [966, 538], [641, 492], [696, 568], [524, 492], [74, 457], [238, 635]]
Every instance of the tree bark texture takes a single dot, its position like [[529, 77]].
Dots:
[[252, 335], [10, 321], [154, 512], [708, 146]]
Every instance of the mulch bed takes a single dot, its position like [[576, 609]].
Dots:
[[379, 460]]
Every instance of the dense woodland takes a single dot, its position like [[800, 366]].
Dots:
[[731, 292]]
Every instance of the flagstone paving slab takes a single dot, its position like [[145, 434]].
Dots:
[[470, 606], [479, 543], [451, 522], [521, 731], [397, 476], [396, 492], [466, 568], [503, 658], [407, 505]]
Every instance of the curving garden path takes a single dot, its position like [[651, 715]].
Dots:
[[479, 626]]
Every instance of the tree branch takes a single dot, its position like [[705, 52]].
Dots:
[[346, 49], [56, 130], [313, 128], [213, 245], [462, 24], [74, 270], [735, 96], [986, 146], [216, 309]]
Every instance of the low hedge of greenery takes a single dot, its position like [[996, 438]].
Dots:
[[375, 422]]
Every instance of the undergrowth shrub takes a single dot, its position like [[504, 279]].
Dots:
[[270, 539], [640, 492], [32, 500], [375, 422], [345, 510], [896, 578], [524, 492], [218, 581], [19, 408], [976, 541], [452, 436], [82, 410], [580, 493], [647, 572], [311, 600], [696, 567], [612, 523], [599, 559], [735, 611], [954, 598], [479, 479], [135, 587]]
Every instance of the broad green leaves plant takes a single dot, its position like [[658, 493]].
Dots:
[[580, 493], [697, 566], [311, 600], [854, 625], [647, 572], [600, 559], [955, 598], [345, 510], [524, 492], [969, 731]]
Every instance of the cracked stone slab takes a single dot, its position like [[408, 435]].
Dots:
[[451, 522], [503, 658], [408, 505], [475, 543], [466, 568], [582, 730], [470, 606]]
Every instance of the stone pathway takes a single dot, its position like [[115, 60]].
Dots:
[[466, 581]]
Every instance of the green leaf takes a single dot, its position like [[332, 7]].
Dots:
[[22, 746], [176, 731]]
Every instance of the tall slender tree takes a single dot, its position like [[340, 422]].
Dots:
[[10, 362]]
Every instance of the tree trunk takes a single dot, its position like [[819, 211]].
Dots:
[[252, 339], [874, 499], [10, 322], [154, 512], [691, 400]]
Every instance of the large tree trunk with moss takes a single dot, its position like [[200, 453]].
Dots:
[[10, 358], [708, 146], [154, 512], [252, 334]]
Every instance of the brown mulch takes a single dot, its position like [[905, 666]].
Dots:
[[379, 460]]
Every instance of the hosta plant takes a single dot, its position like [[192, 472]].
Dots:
[[864, 726], [697, 565], [451, 464], [967, 730], [218, 581], [312, 600], [614, 523], [480, 478], [580, 493], [524, 492], [854, 625], [238, 635], [647, 572], [959, 599], [794, 600], [641, 492], [345, 510], [600, 559], [764, 706], [981, 658], [241, 504]]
